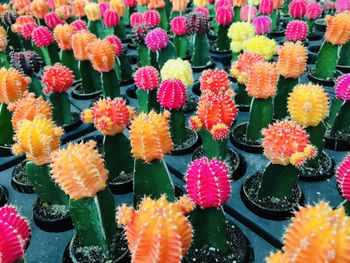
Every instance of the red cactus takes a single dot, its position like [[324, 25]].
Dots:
[[178, 25], [52, 20], [146, 78], [197, 22], [136, 18], [266, 7], [111, 18], [313, 10], [42, 36], [57, 78], [214, 80], [245, 12], [297, 8], [296, 30], [172, 94], [152, 18], [27, 30], [262, 25], [224, 15]]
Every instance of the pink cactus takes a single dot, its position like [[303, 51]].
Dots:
[[224, 15], [111, 18], [42, 36], [245, 12], [146, 78], [202, 10], [156, 39], [178, 25], [78, 25], [117, 43], [343, 174], [27, 30], [342, 6], [220, 3], [266, 7], [152, 18], [313, 10], [52, 20], [136, 19], [130, 3], [297, 8], [296, 30], [104, 6], [262, 25], [207, 182], [172, 94], [342, 87], [15, 234]]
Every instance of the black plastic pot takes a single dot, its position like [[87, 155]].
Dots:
[[121, 188], [238, 139], [277, 34], [324, 169], [251, 185], [131, 92], [191, 103], [191, 143], [80, 96], [323, 82], [320, 24], [202, 68], [337, 143], [126, 82], [196, 89], [223, 57], [19, 180], [3, 195], [313, 51], [5, 151], [49, 223], [77, 122], [344, 69], [315, 36]]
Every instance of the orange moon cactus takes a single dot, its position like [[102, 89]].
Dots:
[[3, 39], [155, 4], [92, 11], [63, 36], [118, 5], [39, 8], [338, 28], [241, 68], [80, 41], [179, 5], [102, 55]]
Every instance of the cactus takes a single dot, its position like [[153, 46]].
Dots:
[[39, 9], [208, 186], [296, 30], [4, 61], [284, 161], [313, 11], [215, 81], [291, 64], [151, 18], [275, 15], [91, 81], [337, 34], [262, 25], [317, 234], [111, 117], [261, 85], [8, 19], [129, 10], [15, 235], [261, 45], [63, 35], [179, 28], [13, 85], [148, 229], [239, 32], [172, 96], [248, 13], [150, 141], [178, 69], [266, 7], [57, 80], [238, 5], [308, 106], [26, 33], [343, 178], [136, 19], [215, 115], [147, 81], [178, 8], [93, 14], [78, 25], [140, 32], [114, 24], [224, 17], [297, 8], [163, 10], [79, 170], [52, 20], [43, 39]]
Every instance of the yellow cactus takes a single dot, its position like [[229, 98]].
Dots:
[[92, 11], [178, 69], [79, 170], [3, 39], [239, 32], [200, 3], [261, 45], [118, 6], [308, 104], [37, 138]]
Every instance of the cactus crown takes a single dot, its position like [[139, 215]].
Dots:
[[39, 8], [343, 175], [12, 85], [266, 7], [118, 5], [27, 30], [202, 10], [80, 41], [15, 234], [178, 69], [262, 25], [308, 105], [342, 87], [78, 8], [9, 17], [241, 68], [342, 6], [136, 18], [317, 234], [52, 20], [338, 28], [42, 36], [157, 232], [172, 94], [64, 12], [63, 36], [313, 10], [155, 4], [152, 18], [292, 59], [92, 11], [117, 43], [224, 15], [156, 39], [20, 22], [207, 182], [296, 30], [179, 5], [78, 25], [146, 78], [79, 170], [140, 32], [150, 136], [57, 78], [102, 55], [28, 62], [3, 39], [178, 25], [111, 18], [214, 80], [104, 7], [196, 23], [297, 8], [261, 45], [239, 32], [244, 13]]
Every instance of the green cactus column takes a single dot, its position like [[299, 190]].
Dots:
[[344, 59], [61, 111], [333, 111], [237, 11], [211, 147], [119, 30], [35, 86], [97, 28], [200, 50], [68, 60], [124, 67], [242, 97], [316, 136], [284, 88], [177, 126], [181, 45], [90, 79], [110, 84], [222, 42], [4, 60], [164, 23], [144, 55], [6, 130], [147, 100], [163, 55], [275, 20], [346, 205], [327, 60], [50, 54], [342, 121]]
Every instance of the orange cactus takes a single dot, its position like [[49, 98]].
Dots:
[[12, 85], [179, 5], [277, 4], [63, 36], [142, 2], [3, 39], [118, 6], [92, 11], [80, 41], [262, 80], [241, 68], [29, 107], [155, 4], [20, 5], [157, 232], [39, 8], [79, 170], [102, 55], [239, 2], [292, 59], [64, 12], [214, 80], [78, 8], [37, 138], [109, 116], [317, 234], [150, 136], [338, 28], [20, 22], [59, 3]]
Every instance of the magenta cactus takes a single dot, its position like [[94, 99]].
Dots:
[[111, 18], [207, 182], [172, 94], [157, 39], [343, 175], [146, 78], [130, 3], [262, 25], [245, 12], [104, 6], [178, 25], [222, 3], [15, 234], [342, 87], [296, 30], [136, 19], [78, 25], [297, 8], [266, 7], [202, 10], [224, 15], [152, 18], [342, 6], [117, 43], [313, 11], [42, 36], [27, 30], [52, 20]]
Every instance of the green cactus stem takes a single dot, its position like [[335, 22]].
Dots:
[[164, 23], [119, 30], [128, 12], [163, 55], [209, 227], [275, 20], [117, 145], [260, 116], [278, 181], [335, 107], [35, 86], [168, 7], [200, 50], [284, 88], [342, 120], [68, 60], [327, 61], [61, 112], [4, 61], [344, 59], [147, 100], [50, 54], [174, 14], [242, 97], [235, 56], [181, 44], [94, 220], [110, 84], [213, 148], [97, 28], [27, 44], [46, 189], [310, 26], [316, 136], [144, 55], [123, 68], [222, 41], [152, 179], [346, 205], [177, 126], [15, 40], [141, 8], [237, 12], [90, 79], [6, 130]]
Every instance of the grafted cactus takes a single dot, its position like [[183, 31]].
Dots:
[[343, 177], [43, 39], [215, 81], [239, 32], [140, 32], [296, 30], [224, 17], [93, 14], [179, 28], [297, 8]]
